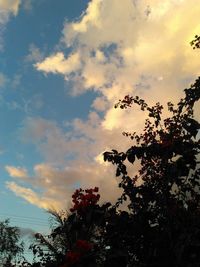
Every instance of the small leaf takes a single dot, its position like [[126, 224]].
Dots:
[[131, 157]]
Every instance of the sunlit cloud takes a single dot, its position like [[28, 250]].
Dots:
[[16, 172], [58, 184], [138, 47], [32, 197], [10, 6], [58, 64]]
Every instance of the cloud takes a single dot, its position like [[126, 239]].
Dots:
[[95, 26], [26, 232], [90, 17], [35, 55], [73, 158], [151, 41], [32, 197], [11, 6], [58, 184], [16, 172], [99, 104], [140, 47], [7, 8], [60, 174], [13, 82], [16, 81], [3, 80], [58, 64], [27, 4]]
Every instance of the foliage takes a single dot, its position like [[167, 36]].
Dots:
[[196, 42], [165, 194], [10, 248]]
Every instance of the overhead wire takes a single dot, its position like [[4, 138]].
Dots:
[[24, 219], [20, 216]]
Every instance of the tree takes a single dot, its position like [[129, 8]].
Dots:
[[161, 225], [164, 196], [77, 237], [195, 43], [10, 248]]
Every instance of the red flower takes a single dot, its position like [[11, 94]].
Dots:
[[166, 143], [83, 199], [73, 257], [83, 245], [96, 189]]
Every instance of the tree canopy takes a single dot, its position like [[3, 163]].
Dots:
[[10, 247]]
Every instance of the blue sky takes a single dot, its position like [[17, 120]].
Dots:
[[63, 66], [26, 92]]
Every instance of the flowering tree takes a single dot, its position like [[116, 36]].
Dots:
[[78, 237], [161, 225]]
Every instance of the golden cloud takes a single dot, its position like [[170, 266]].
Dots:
[[16, 172]]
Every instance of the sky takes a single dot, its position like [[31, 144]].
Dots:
[[63, 66]]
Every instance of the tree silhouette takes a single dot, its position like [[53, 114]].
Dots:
[[77, 238], [161, 225], [10, 248], [164, 196]]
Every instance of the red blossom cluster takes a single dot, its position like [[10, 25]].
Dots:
[[83, 245], [73, 257], [84, 198]]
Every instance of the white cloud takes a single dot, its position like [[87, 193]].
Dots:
[[96, 27], [121, 47], [58, 64], [138, 47], [91, 17], [16, 172]]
